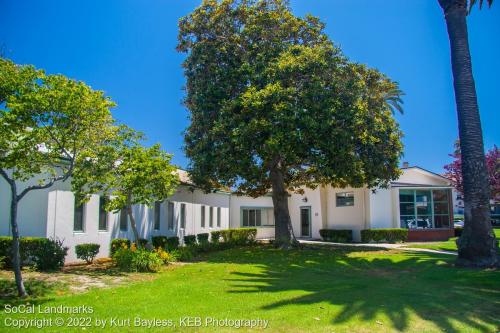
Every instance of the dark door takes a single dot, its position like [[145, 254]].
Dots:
[[305, 221]]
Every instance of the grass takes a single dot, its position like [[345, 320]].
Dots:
[[449, 245], [319, 289]]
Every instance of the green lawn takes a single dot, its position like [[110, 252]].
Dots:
[[310, 290], [449, 245]]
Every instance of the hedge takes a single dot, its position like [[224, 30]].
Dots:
[[28, 248], [384, 235], [164, 242], [202, 238], [334, 235], [241, 236], [215, 237], [118, 243], [189, 240]]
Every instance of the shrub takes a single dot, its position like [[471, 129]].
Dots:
[[202, 238], [189, 240], [50, 255], [118, 243], [143, 242], [184, 253], [241, 236], [28, 249], [87, 252], [137, 260], [458, 231], [215, 237], [384, 235], [159, 242], [338, 236], [172, 243], [166, 257]]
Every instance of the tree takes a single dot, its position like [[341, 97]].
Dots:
[[47, 123], [454, 170], [477, 246], [276, 106], [128, 174]]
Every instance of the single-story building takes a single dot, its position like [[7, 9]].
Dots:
[[419, 200]]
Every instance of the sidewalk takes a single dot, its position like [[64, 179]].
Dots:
[[399, 246]]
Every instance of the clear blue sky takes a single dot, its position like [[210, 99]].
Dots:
[[127, 49]]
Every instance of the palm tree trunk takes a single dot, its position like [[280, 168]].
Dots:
[[477, 246], [16, 256], [283, 234]]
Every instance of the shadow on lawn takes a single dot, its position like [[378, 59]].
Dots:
[[367, 284], [37, 290]]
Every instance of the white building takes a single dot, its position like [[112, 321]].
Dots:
[[419, 200]]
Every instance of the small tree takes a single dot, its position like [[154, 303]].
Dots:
[[454, 170], [128, 174], [47, 123], [276, 106]]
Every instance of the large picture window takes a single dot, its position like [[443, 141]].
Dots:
[[424, 209], [257, 217]]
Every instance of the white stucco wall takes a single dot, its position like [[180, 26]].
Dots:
[[314, 201], [238, 202], [349, 217], [381, 208]]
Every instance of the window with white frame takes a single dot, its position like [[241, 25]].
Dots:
[[170, 215], [202, 216], [344, 199], [78, 220], [157, 215], [211, 217], [256, 217], [218, 217]]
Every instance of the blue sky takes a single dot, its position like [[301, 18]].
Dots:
[[127, 49]]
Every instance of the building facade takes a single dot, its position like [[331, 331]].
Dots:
[[419, 200]]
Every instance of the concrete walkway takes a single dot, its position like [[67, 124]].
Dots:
[[399, 246]]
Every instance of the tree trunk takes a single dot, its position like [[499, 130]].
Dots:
[[283, 232], [16, 256], [477, 247], [133, 225]]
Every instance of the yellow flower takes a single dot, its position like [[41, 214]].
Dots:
[[133, 247]]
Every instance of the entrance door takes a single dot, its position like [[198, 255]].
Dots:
[[305, 221]]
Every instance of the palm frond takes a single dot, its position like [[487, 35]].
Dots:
[[473, 2], [394, 101]]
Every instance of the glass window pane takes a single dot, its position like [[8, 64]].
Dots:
[[423, 208], [123, 220], [442, 221], [406, 196], [245, 218], [258, 218], [408, 222], [424, 222], [170, 215], [423, 196], [202, 216], [440, 195], [407, 209], [218, 216], [157, 213], [441, 208], [251, 220], [211, 217], [103, 214], [183, 216], [78, 218], [344, 199]]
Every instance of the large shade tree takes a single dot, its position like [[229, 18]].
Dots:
[[47, 124], [275, 106], [127, 174], [477, 246]]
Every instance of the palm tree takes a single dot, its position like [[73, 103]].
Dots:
[[477, 246]]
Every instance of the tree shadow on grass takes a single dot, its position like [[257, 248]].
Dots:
[[39, 292], [366, 284]]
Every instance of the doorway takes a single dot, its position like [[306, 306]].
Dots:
[[305, 221]]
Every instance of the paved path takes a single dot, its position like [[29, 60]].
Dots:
[[381, 245]]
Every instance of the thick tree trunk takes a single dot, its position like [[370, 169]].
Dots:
[[477, 246], [16, 256], [283, 232]]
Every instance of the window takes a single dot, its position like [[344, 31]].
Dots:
[[157, 215], [183, 216], [103, 214], [218, 217], [123, 220], [211, 217], [424, 209], [345, 199], [170, 212], [78, 218], [257, 217], [202, 216]]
